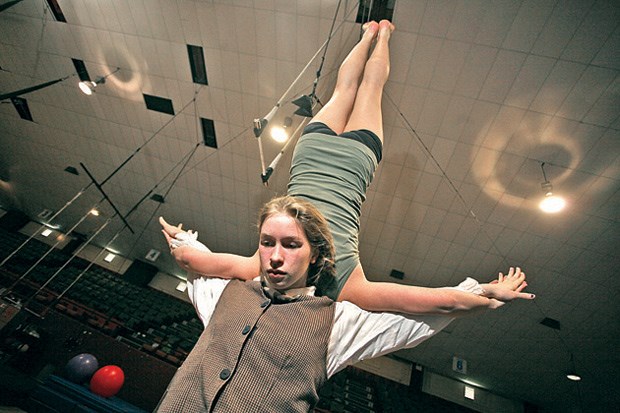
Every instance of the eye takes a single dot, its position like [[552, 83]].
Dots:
[[266, 243], [293, 244]]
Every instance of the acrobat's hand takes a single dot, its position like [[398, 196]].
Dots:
[[170, 230], [508, 287], [176, 237]]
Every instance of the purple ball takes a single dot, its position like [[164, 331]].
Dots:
[[81, 368]]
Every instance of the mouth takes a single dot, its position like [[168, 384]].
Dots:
[[276, 276]]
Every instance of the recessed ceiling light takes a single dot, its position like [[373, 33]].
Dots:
[[470, 393], [46, 232], [94, 212], [573, 377], [110, 257]]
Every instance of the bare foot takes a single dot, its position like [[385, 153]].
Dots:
[[370, 28], [386, 28]]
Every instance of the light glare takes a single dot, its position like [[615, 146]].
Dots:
[[552, 204], [279, 134], [86, 87], [573, 377]]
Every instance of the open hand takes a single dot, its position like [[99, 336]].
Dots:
[[170, 230], [508, 287]]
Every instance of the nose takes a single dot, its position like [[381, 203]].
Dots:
[[276, 259]]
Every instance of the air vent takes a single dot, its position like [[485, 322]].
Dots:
[[80, 68], [56, 11], [375, 10], [197, 64], [208, 132], [551, 323], [158, 104], [399, 275], [21, 105]]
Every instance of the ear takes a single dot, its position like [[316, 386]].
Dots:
[[315, 255]]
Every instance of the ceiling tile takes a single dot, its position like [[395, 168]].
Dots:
[[598, 24], [502, 75], [497, 21], [529, 21]]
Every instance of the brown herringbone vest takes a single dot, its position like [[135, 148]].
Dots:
[[255, 356]]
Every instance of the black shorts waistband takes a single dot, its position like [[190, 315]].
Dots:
[[365, 136]]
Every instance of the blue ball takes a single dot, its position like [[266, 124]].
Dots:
[[81, 368]]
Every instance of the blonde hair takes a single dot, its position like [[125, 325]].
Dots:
[[321, 272]]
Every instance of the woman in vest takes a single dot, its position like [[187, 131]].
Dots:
[[332, 167], [270, 344]]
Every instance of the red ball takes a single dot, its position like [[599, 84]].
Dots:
[[107, 381]]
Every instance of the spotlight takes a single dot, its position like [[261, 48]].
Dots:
[[572, 374], [88, 86], [551, 203], [279, 133]]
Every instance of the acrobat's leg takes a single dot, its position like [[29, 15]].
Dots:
[[366, 113], [336, 111]]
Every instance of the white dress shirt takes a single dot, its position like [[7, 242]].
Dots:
[[356, 334]]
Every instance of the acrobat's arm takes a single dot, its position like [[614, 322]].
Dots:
[[196, 258], [382, 296]]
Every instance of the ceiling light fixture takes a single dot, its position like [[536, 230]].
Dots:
[[88, 86], [551, 203], [279, 133], [572, 374], [94, 212]]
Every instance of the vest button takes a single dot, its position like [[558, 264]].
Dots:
[[246, 330], [265, 304], [224, 374]]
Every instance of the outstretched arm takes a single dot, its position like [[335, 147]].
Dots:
[[194, 257], [400, 298]]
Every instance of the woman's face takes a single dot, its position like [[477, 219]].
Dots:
[[285, 253]]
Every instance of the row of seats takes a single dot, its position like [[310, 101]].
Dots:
[[141, 317]]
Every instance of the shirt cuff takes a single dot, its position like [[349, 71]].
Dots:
[[190, 240], [471, 285]]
